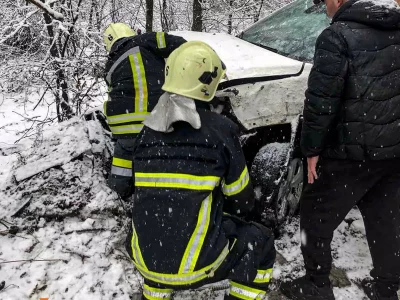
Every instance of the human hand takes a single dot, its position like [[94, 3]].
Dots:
[[312, 168]]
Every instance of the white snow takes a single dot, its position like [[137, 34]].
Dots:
[[349, 249], [81, 254], [243, 59], [65, 143], [390, 4]]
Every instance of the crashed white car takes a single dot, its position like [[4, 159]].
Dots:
[[267, 70]]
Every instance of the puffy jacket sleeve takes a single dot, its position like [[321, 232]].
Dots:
[[160, 43], [237, 186], [325, 88]]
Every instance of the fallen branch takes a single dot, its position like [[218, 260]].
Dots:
[[86, 230], [51, 12], [22, 207], [80, 255], [4, 223], [33, 260], [8, 286]]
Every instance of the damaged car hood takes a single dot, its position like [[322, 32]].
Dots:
[[242, 58], [264, 88]]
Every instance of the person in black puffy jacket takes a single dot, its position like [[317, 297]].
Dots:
[[352, 129]]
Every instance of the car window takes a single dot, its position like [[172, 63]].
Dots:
[[291, 31]]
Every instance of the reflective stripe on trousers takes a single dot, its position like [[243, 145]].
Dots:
[[184, 279], [156, 293], [136, 252], [263, 276], [121, 167], [241, 291]]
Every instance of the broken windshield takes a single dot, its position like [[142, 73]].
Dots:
[[291, 31]]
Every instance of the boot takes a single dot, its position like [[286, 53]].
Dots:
[[304, 289], [370, 289]]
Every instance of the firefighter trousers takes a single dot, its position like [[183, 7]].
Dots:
[[121, 177], [248, 266], [374, 186]]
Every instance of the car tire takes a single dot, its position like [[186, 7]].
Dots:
[[266, 171], [277, 186], [290, 189]]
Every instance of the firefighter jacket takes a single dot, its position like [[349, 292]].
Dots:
[[184, 182], [135, 75]]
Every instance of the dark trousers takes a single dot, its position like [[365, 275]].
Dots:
[[248, 265], [374, 186]]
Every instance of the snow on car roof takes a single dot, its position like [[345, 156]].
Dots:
[[244, 59]]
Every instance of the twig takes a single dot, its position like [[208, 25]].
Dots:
[[33, 260], [8, 286], [81, 256], [3, 222], [86, 230], [41, 98]]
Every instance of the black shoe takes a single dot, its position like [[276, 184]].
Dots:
[[369, 287], [304, 289]]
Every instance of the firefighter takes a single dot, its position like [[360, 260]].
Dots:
[[192, 190], [134, 75]]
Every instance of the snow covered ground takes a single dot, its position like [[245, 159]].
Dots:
[[66, 239]]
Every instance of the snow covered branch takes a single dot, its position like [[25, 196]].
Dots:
[[55, 15], [19, 26]]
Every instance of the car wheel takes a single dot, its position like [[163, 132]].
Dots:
[[266, 172], [290, 189]]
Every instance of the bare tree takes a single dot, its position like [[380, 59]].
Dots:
[[257, 15], [230, 17], [163, 16], [197, 16], [149, 15]]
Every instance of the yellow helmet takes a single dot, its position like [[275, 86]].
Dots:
[[116, 31], [194, 71]]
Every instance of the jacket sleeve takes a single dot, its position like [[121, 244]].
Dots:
[[325, 88], [160, 43], [237, 186]]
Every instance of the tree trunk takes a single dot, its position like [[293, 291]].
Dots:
[[164, 19], [230, 17], [113, 11], [149, 15], [257, 16], [93, 8], [64, 110], [197, 16]]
